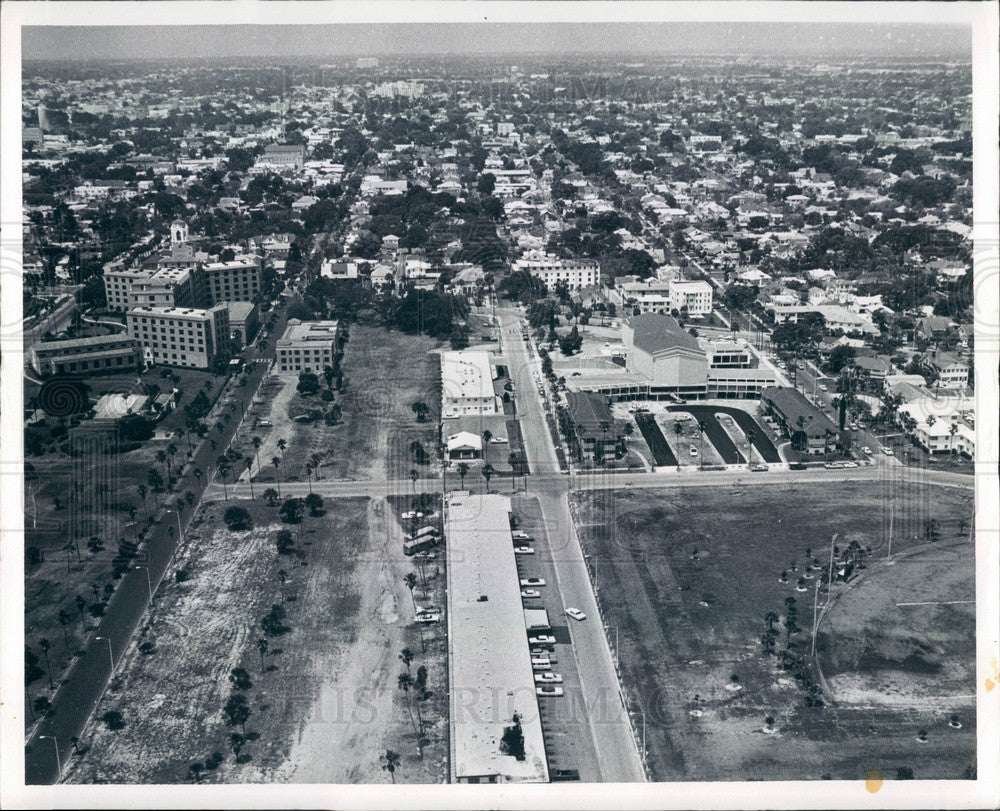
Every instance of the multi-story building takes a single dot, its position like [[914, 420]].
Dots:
[[177, 336], [236, 280], [600, 436], [808, 428], [575, 273], [951, 371], [467, 384], [244, 321], [308, 346], [694, 298], [166, 287], [98, 353]]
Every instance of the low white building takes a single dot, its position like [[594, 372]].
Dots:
[[467, 384]]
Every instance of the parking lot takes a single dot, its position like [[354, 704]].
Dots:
[[568, 740]]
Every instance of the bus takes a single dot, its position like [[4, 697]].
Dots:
[[422, 544]]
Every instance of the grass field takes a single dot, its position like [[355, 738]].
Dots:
[[686, 578]]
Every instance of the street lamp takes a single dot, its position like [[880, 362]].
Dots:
[[55, 743], [149, 584], [111, 654]]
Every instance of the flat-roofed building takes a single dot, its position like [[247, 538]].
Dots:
[[693, 298], [467, 384], [98, 353], [236, 280], [490, 677], [166, 287], [575, 273], [180, 336], [308, 346]]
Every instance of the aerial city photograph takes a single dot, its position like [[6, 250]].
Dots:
[[497, 404]]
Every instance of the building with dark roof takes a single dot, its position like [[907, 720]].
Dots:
[[97, 353], [808, 428], [595, 430]]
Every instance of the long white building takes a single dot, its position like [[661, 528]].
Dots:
[[490, 675], [576, 273]]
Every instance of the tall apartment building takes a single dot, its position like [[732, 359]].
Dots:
[[236, 280], [576, 273], [178, 336], [165, 287], [308, 346]]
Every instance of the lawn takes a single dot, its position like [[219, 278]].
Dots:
[[686, 577]]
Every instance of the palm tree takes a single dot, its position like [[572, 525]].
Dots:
[[161, 457], [413, 479], [405, 682], [64, 620], [463, 471], [223, 472], [391, 762], [276, 461], [262, 648], [487, 436], [257, 442], [702, 427], [514, 461], [406, 656], [750, 439], [282, 444], [487, 473], [143, 491], [248, 463], [271, 495], [198, 473], [411, 583]]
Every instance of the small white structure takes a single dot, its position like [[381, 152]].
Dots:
[[464, 445]]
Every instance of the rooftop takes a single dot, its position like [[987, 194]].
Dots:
[[490, 667], [657, 332], [298, 331], [466, 374]]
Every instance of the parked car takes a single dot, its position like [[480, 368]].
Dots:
[[563, 775], [541, 650], [524, 550], [532, 581], [866, 450], [412, 514], [759, 467], [693, 451], [265, 424], [427, 619], [888, 451], [548, 690], [528, 594], [541, 663], [823, 387], [849, 464], [548, 678], [796, 466], [544, 639], [576, 614]]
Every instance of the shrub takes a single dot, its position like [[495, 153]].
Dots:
[[113, 720], [238, 519]]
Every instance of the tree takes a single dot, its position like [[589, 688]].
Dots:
[[271, 495], [248, 464], [487, 472], [240, 679], [405, 682], [262, 646], [420, 409], [314, 503], [113, 720], [237, 519], [45, 647], [463, 471], [273, 622], [237, 711], [411, 583], [406, 657], [292, 509], [284, 542], [390, 762]]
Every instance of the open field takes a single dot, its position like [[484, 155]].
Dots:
[[326, 684], [385, 372], [685, 579]]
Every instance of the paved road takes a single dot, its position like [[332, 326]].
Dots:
[[612, 734], [83, 685]]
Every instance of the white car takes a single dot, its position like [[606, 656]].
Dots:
[[865, 449], [693, 451], [888, 451], [548, 678], [549, 690], [532, 581], [412, 514], [265, 423], [428, 618], [849, 464], [823, 387], [528, 594], [576, 614], [541, 663], [542, 640], [524, 550]]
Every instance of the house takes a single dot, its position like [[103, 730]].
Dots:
[[951, 371], [464, 445], [809, 429]]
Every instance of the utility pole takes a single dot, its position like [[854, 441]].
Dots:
[[829, 593], [812, 650], [892, 514]]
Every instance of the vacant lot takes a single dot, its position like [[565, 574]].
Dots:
[[385, 373], [327, 683], [686, 578]]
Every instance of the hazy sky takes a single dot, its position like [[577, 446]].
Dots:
[[335, 41]]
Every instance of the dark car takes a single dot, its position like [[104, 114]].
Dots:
[[562, 775], [796, 466]]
